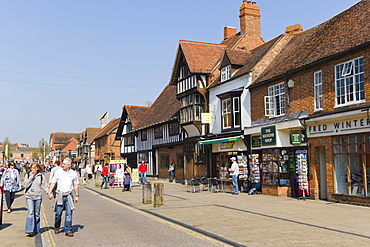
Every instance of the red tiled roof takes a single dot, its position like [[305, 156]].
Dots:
[[137, 114], [201, 57], [107, 128], [163, 109], [347, 30]]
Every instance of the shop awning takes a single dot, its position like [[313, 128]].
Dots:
[[229, 139]]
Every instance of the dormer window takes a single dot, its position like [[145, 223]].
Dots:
[[226, 73]]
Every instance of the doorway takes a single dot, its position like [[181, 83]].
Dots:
[[323, 183]]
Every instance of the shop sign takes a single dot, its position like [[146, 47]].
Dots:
[[206, 118], [295, 138], [338, 127], [256, 141], [226, 145], [268, 135]]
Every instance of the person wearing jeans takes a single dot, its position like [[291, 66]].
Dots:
[[67, 182], [143, 169], [105, 175], [34, 184], [234, 172], [171, 170]]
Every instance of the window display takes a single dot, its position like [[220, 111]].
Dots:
[[275, 167]]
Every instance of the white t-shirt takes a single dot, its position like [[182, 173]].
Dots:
[[65, 179]]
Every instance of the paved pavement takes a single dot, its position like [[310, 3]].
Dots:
[[242, 220]]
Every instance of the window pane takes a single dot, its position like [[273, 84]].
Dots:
[[340, 174]]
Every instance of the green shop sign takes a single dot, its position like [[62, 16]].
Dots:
[[268, 135], [295, 138]]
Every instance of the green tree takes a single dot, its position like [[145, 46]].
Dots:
[[41, 151], [6, 148]]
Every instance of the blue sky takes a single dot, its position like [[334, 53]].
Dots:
[[64, 63]]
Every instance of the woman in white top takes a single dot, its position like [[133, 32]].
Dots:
[[119, 176]]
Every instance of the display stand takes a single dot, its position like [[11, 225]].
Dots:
[[243, 172], [254, 176], [302, 173]]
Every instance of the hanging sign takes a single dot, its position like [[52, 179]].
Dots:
[[206, 118], [295, 138], [268, 135]]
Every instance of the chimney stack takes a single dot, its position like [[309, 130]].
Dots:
[[250, 23], [229, 31], [295, 29]]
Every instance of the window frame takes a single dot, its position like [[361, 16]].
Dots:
[[318, 95], [275, 101], [158, 132], [226, 73], [350, 82]]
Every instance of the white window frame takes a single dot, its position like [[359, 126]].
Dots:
[[225, 112], [317, 77], [350, 82], [275, 101], [225, 73], [236, 111]]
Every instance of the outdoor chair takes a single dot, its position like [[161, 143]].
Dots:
[[204, 182], [214, 184], [194, 184]]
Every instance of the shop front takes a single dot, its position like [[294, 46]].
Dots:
[[340, 156], [278, 160], [222, 150]]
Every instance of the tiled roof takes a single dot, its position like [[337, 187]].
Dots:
[[62, 137], [165, 107], [201, 57], [107, 128], [137, 114], [347, 30], [91, 133]]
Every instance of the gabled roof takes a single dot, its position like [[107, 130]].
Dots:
[[164, 108], [62, 137], [341, 33], [90, 134], [136, 114], [107, 128]]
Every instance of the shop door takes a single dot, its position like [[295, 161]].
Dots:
[[323, 184]]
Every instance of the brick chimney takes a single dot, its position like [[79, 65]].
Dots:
[[250, 23], [294, 29], [229, 31]]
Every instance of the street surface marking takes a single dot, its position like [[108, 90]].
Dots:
[[49, 236]]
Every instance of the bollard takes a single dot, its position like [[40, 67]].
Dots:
[[98, 179], [147, 193], [158, 195]]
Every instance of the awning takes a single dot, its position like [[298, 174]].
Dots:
[[229, 139]]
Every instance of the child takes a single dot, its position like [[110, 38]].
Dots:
[[126, 183], [112, 181]]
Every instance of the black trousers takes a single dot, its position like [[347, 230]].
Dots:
[[9, 198]]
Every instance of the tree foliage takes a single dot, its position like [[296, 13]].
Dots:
[[41, 151], [6, 148]]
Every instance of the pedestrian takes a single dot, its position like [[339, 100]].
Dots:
[[89, 171], [98, 169], [1, 170], [143, 169], [126, 183], [67, 182], [105, 174], [52, 173], [234, 172], [11, 183], [171, 170], [119, 176], [34, 184]]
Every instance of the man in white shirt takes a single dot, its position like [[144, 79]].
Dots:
[[67, 182], [234, 172]]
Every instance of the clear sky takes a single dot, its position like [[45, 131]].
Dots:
[[63, 64]]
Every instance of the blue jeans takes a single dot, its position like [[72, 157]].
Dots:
[[58, 215], [105, 181], [172, 175], [235, 183], [33, 216], [142, 177]]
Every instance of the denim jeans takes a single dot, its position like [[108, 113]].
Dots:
[[142, 177], [235, 183], [172, 174], [58, 215], [9, 198], [33, 216], [105, 181]]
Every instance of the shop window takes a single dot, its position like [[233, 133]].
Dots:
[[352, 164], [164, 162], [349, 82], [275, 168], [180, 162]]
